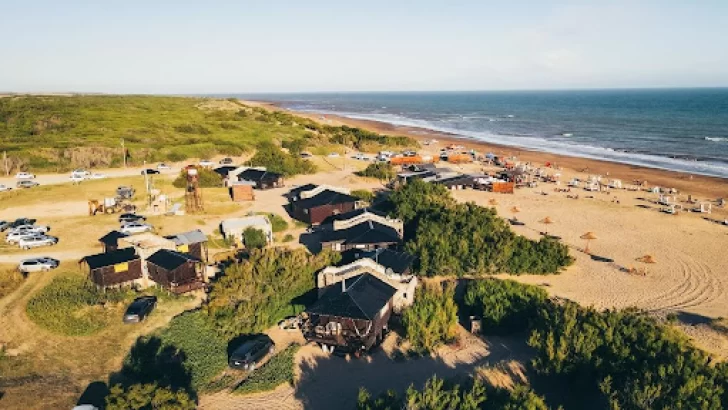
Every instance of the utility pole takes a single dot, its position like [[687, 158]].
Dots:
[[123, 152]]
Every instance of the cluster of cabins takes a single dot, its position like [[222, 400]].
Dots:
[[503, 183], [175, 262], [357, 298]]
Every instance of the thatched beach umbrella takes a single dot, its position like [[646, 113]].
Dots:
[[647, 259], [547, 221], [514, 211], [589, 236], [493, 202]]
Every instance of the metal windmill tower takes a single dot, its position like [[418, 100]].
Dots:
[[193, 195]]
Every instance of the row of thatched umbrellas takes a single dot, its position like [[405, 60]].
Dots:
[[588, 237]]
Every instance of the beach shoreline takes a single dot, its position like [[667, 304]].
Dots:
[[702, 186]]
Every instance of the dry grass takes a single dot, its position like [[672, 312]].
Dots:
[[10, 279]]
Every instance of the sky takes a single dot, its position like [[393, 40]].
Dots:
[[186, 47]]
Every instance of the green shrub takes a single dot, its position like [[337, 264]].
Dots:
[[70, 305], [277, 222], [275, 160], [457, 239], [148, 396], [379, 170], [277, 371], [432, 319], [635, 362], [503, 305], [363, 194], [254, 238], [288, 238], [257, 293], [207, 178], [192, 129]]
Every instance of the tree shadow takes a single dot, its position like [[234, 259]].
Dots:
[[312, 241], [94, 394], [150, 361], [332, 382]]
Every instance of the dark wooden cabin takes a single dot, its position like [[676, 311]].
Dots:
[[192, 242], [115, 268], [316, 209], [110, 241], [397, 262], [365, 236], [262, 179], [351, 316], [176, 271]]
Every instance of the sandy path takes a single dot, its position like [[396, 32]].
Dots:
[[330, 382]]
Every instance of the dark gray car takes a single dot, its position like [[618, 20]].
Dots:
[[251, 353], [139, 309]]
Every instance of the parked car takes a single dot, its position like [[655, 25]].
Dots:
[[149, 171], [128, 218], [43, 264], [306, 155], [206, 163], [81, 173], [77, 178], [139, 309], [26, 183], [4, 188], [30, 228], [15, 237], [334, 155], [16, 223], [226, 161], [361, 157], [135, 227], [162, 166], [251, 353], [37, 241], [24, 175]]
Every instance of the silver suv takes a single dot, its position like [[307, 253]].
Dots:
[[37, 241]]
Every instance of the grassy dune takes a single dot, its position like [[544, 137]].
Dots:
[[57, 133]]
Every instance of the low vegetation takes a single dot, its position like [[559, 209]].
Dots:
[[379, 170], [277, 371], [72, 306], [274, 159], [10, 279], [148, 396], [438, 394], [270, 285], [503, 305], [363, 195], [204, 349], [277, 222], [457, 239], [432, 319]]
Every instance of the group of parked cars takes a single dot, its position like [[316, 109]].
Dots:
[[133, 223], [26, 234], [79, 175]]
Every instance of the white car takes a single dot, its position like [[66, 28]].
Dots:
[[97, 176], [163, 166], [206, 163], [334, 155], [15, 237], [37, 240], [361, 157], [136, 227], [77, 178], [5, 188], [43, 264], [24, 175], [31, 228], [81, 172]]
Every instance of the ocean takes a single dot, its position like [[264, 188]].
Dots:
[[677, 129]]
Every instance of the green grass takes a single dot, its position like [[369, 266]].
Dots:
[[72, 306], [277, 371], [278, 223]]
